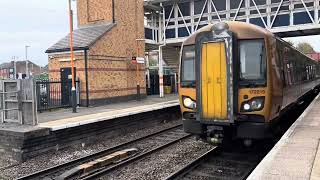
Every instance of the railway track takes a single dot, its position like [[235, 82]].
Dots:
[[236, 163], [218, 163], [145, 146]]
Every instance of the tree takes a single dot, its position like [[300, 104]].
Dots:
[[305, 48]]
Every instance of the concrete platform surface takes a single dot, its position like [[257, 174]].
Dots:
[[64, 118], [297, 154], [62, 128]]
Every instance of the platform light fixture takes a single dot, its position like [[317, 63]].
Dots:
[[27, 71]]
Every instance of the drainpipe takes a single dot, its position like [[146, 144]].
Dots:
[[161, 88], [148, 70], [86, 74], [113, 14]]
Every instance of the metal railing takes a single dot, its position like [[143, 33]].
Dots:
[[53, 94]]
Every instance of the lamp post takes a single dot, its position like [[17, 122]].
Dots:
[[27, 71], [73, 89]]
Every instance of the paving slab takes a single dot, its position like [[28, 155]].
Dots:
[[297, 154], [315, 173], [65, 119], [67, 113]]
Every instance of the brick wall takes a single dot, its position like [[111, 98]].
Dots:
[[115, 49], [32, 68], [122, 39], [58, 61], [20, 68], [93, 11], [111, 76]]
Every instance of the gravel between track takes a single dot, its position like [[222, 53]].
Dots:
[[10, 171], [163, 163]]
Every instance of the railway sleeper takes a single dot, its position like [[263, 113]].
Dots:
[[97, 164]]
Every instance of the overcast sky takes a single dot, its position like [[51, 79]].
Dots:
[[37, 23], [41, 23]]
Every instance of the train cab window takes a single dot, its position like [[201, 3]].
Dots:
[[252, 62], [188, 77]]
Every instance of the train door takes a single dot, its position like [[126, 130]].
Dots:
[[214, 81]]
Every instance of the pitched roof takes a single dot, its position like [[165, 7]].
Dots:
[[83, 38], [6, 65]]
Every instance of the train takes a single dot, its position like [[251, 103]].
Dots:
[[237, 78]]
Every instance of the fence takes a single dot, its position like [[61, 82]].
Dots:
[[17, 99], [168, 80], [53, 94]]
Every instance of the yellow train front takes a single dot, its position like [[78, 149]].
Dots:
[[236, 78]]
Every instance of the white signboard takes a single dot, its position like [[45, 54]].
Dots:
[[140, 60]]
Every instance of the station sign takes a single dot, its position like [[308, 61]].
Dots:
[[137, 60], [140, 60]]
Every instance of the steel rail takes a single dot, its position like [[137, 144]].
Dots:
[[128, 161], [219, 159], [187, 168], [54, 169]]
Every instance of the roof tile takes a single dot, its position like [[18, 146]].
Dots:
[[82, 38]]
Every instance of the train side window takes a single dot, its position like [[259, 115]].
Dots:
[[293, 69], [310, 72], [288, 73], [307, 73]]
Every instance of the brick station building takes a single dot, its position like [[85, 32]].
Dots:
[[108, 36]]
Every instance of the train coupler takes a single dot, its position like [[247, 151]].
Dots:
[[215, 137]]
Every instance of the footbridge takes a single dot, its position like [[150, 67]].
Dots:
[[169, 22]]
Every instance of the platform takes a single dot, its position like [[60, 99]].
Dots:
[[297, 154], [64, 118], [62, 128]]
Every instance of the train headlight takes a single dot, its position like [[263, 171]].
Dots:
[[254, 104], [189, 103], [246, 107]]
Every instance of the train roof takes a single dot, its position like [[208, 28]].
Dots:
[[241, 29]]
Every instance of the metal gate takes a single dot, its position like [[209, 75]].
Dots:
[[55, 94]]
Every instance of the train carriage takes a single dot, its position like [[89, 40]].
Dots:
[[237, 78]]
